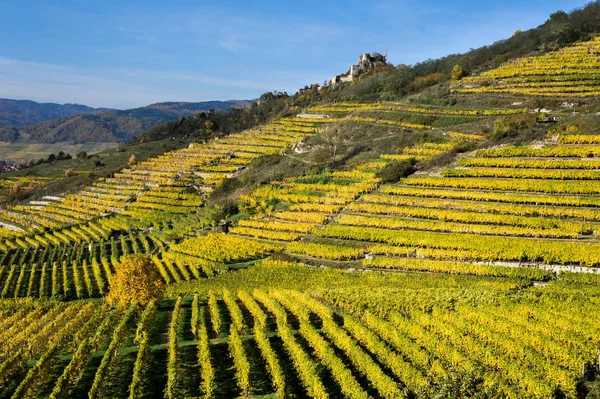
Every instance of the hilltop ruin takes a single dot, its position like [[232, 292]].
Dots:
[[366, 61]]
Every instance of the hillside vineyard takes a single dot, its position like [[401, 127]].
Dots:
[[568, 72], [418, 248]]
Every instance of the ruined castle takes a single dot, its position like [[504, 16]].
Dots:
[[366, 61]]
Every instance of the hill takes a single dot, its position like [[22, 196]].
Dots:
[[559, 30], [444, 244], [110, 125], [457, 274], [428, 81], [14, 113]]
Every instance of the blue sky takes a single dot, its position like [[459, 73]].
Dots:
[[123, 54]]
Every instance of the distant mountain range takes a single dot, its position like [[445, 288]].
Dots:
[[50, 123], [15, 113]]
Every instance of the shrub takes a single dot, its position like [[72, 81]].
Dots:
[[15, 190], [230, 208], [510, 127], [227, 187], [397, 170]]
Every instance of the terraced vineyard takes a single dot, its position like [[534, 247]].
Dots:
[[493, 208], [567, 73], [329, 283], [504, 213], [173, 183]]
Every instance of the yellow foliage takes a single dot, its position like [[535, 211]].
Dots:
[[136, 280], [457, 72]]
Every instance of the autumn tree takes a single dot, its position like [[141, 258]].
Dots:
[[132, 159], [457, 72], [137, 280], [422, 82], [15, 190]]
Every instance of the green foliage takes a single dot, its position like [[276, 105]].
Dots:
[[227, 187], [230, 208], [72, 373], [145, 320], [324, 177], [594, 392], [37, 373], [460, 385], [205, 125], [512, 126], [110, 357], [394, 171], [240, 360], [140, 369], [207, 370], [172, 389], [215, 314]]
